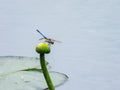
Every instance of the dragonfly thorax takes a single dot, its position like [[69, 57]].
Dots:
[[49, 41]]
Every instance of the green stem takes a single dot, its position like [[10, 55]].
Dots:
[[46, 73]]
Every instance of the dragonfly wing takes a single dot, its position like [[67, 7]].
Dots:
[[56, 41], [41, 38]]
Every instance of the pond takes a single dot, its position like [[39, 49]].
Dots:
[[89, 30]]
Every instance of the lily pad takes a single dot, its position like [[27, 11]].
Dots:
[[10, 64], [24, 73]]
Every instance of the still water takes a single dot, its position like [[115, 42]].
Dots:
[[89, 30]]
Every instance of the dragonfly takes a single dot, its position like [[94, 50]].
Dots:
[[48, 40]]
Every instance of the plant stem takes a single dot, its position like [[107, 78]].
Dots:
[[46, 73]]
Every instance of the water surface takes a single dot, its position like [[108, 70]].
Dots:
[[89, 31]]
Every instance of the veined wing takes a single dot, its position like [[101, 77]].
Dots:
[[41, 38], [56, 41]]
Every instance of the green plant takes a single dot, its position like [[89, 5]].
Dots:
[[43, 49]]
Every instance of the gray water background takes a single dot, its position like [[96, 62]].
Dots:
[[89, 30]]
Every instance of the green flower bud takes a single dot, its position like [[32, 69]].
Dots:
[[42, 48]]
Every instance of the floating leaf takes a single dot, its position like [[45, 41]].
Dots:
[[15, 63], [23, 73]]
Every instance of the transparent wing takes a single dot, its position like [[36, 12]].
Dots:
[[56, 41], [41, 38]]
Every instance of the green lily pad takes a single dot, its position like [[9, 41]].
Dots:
[[24, 73], [10, 64]]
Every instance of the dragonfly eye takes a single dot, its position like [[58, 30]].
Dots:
[[52, 42]]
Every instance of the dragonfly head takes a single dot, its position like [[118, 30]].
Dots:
[[52, 42]]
